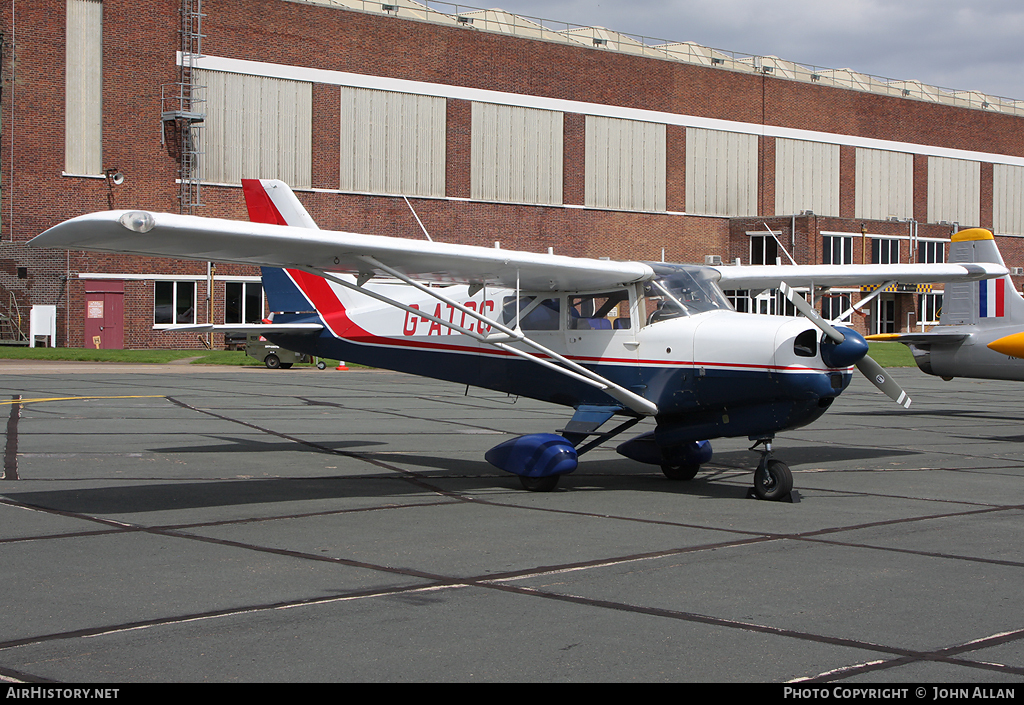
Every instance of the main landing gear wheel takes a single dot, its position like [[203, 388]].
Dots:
[[680, 472], [773, 479], [539, 484]]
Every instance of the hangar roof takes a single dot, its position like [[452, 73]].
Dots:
[[496, 20]]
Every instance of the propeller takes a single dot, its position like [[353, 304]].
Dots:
[[845, 347]]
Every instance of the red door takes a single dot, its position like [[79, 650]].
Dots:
[[104, 314]]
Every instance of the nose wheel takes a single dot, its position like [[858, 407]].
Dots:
[[773, 479]]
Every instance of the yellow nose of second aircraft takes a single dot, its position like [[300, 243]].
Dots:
[[1012, 345]]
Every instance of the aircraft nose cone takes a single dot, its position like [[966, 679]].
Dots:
[[1012, 345], [849, 352]]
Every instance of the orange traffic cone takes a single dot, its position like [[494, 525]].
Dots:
[[341, 365]]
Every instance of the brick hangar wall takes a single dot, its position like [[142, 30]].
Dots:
[[139, 56]]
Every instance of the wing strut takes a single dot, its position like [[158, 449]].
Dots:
[[500, 340]]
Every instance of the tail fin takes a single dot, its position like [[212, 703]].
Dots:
[[989, 302], [272, 201]]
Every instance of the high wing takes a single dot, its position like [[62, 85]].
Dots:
[[211, 239], [823, 275]]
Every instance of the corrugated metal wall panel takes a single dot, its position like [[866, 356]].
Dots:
[[884, 184], [806, 177], [954, 191], [83, 114], [392, 142], [256, 128], [721, 172], [625, 164], [1008, 199], [516, 154]]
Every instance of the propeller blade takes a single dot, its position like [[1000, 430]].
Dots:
[[877, 375], [807, 310]]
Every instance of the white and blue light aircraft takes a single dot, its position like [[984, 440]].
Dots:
[[631, 340]]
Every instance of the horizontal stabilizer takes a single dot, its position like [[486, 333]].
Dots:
[[917, 338], [247, 328]]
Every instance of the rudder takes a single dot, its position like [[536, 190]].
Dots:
[[986, 302]]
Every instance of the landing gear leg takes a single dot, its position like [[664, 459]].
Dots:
[[773, 479]]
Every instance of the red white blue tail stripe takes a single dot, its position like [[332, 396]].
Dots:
[[991, 298]]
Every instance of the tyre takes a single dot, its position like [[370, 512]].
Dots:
[[272, 361], [680, 472], [773, 480], [286, 365], [539, 484]]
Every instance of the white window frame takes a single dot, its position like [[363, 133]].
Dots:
[[759, 247], [245, 315], [885, 251], [829, 240], [174, 301], [926, 243]]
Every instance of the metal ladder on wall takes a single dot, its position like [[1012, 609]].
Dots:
[[182, 104], [10, 324]]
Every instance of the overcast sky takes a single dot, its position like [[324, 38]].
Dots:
[[946, 43]]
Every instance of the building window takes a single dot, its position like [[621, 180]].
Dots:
[[243, 302], [885, 251], [929, 309], [834, 305], [174, 302], [836, 249], [931, 251], [739, 298], [763, 249]]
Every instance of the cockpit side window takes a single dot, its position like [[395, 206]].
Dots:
[[604, 311]]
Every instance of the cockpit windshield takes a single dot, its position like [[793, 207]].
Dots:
[[683, 291]]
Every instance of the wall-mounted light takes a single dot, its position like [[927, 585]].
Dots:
[[114, 178]]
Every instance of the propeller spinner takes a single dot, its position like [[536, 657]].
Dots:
[[848, 347]]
